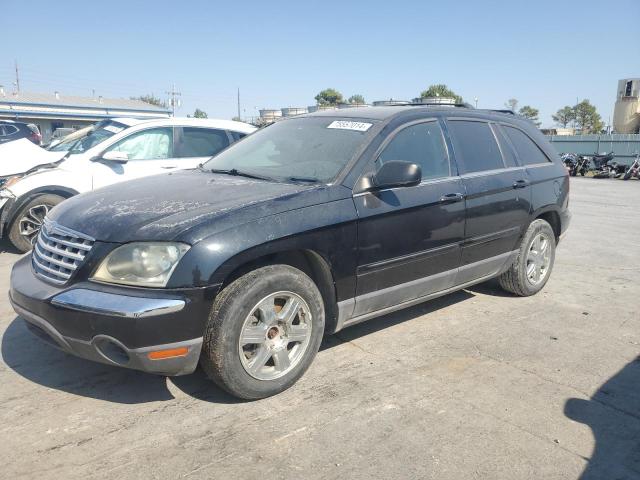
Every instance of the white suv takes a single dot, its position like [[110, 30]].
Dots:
[[116, 150]]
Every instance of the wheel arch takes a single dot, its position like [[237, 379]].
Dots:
[[312, 263], [551, 215], [9, 217]]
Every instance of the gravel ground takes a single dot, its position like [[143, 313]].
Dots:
[[478, 384]]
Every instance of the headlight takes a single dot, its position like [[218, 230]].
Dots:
[[6, 182], [141, 264]]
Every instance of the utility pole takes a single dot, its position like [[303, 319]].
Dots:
[[174, 102], [238, 103], [17, 77]]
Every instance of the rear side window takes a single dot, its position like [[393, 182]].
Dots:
[[507, 150], [237, 135], [10, 129], [201, 142], [475, 146], [528, 152], [422, 144]]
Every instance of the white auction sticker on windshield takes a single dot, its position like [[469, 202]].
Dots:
[[113, 129], [345, 125]]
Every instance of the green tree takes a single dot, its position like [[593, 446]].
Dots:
[[356, 99], [152, 99], [329, 96], [530, 113], [512, 104], [200, 114], [564, 116], [588, 120], [440, 90]]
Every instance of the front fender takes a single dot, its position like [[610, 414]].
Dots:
[[328, 229], [44, 180]]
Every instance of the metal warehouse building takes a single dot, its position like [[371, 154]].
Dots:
[[52, 111]]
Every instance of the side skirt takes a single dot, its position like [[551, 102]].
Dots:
[[346, 307]]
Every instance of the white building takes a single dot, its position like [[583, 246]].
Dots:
[[626, 114], [53, 111]]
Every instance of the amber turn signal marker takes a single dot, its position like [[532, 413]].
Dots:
[[170, 353]]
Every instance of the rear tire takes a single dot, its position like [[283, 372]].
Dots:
[[531, 270], [27, 222], [263, 332]]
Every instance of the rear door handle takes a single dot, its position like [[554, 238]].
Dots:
[[452, 198], [520, 183], [169, 167]]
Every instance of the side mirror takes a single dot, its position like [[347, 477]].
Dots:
[[114, 156], [396, 173]]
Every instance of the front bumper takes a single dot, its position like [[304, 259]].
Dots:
[[4, 208], [114, 325]]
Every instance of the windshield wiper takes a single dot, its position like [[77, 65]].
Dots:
[[302, 179], [237, 173]]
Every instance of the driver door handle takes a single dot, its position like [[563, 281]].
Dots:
[[521, 183], [452, 198], [169, 167]]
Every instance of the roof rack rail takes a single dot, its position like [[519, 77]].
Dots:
[[439, 102], [509, 112]]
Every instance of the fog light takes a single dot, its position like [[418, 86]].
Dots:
[[169, 353]]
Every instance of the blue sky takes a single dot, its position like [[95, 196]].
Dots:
[[281, 53]]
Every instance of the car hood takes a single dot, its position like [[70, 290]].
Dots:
[[184, 205], [19, 156]]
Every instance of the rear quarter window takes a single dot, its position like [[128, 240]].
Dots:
[[528, 152], [201, 142], [475, 146], [508, 153]]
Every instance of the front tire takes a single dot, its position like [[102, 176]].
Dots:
[[532, 267], [27, 222], [263, 332]]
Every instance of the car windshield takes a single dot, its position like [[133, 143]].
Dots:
[[301, 149], [67, 141], [99, 133]]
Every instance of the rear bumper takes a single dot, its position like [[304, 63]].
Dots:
[[114, 325], [565, 221]]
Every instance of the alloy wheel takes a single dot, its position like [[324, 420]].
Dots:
[[275, 335], [31, 222], [539, 258]]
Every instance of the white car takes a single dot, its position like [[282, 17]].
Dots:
[[116, 150]]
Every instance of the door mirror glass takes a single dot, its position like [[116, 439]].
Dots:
[[396, 173], [115, 156]]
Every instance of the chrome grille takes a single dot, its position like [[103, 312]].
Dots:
[[58, 252]]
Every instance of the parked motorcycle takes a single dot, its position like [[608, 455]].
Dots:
[[582, 166], [570, 160], [603, 169], [633, 170]]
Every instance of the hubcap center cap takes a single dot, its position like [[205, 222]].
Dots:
[[273, 333]]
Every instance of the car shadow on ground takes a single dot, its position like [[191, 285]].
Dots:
[[613, 414], [45, 365], [387, 321], [7, 246]]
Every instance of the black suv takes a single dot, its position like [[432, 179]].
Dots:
[[305, 227], [10, 131]]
